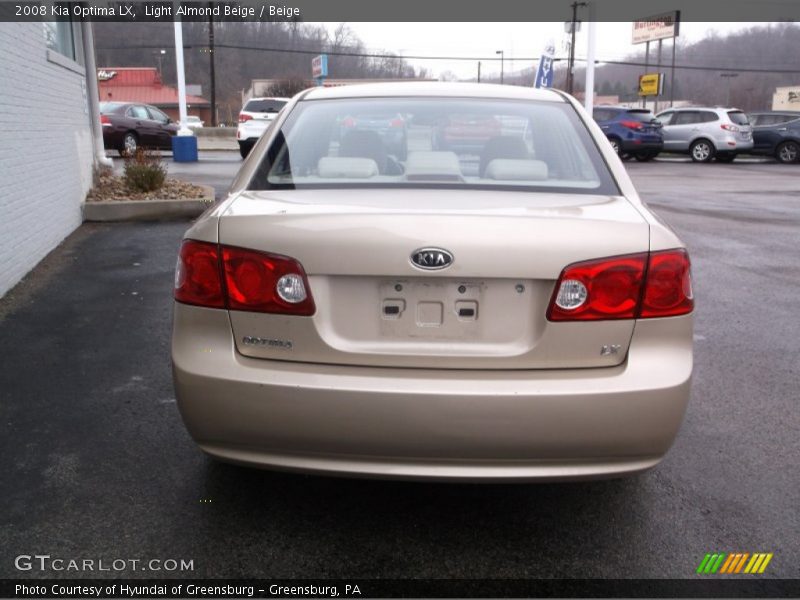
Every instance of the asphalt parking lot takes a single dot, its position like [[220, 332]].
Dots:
[[96, 463]]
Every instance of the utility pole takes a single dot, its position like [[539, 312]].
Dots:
[[571, 66], [502, 67], [211, 65], [728, 76], [479, 71]]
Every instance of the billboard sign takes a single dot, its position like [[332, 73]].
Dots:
[[319, 66], [658, 27], [651, 84]]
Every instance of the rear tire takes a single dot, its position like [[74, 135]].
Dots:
[[702, 151], [645, 156], [130, 143], [244, 149], [616, 145], [787, 152]]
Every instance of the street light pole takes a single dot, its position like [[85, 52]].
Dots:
[[571, 66], [502, 68], [728, 76]]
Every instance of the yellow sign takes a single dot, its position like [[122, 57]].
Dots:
[[651, 84]]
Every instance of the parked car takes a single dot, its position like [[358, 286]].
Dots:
[[706, 133], [776, 134], [529, 321], [193, 122], [468, 132], [128, 126], [631, 131], [390, 127], [255, 117]]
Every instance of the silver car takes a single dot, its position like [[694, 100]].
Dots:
[[706, 133], [502, 311]]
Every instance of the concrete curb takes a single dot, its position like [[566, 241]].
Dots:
[[147, 210]]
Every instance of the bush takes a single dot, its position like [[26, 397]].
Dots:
[[144, 172], [286, 88]]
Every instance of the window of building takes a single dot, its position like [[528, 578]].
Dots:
[[60, 37]]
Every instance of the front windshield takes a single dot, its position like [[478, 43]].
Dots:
[[434, 142]]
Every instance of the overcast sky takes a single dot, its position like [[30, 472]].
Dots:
[[515, 39]]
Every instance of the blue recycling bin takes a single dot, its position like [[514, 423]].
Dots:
[[184, 148]]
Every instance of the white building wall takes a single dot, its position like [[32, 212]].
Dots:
[[786, 98], [45, 148]]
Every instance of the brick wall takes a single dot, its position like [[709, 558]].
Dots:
[[45, 149]]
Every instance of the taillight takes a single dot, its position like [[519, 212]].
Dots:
[[253, 281], [349, 122], [668, 291], [261, 282], [727, 127], [624, 287], [396, 123], [244, 117], [105, 121], [197, 277], [608, 288], [631, 124]]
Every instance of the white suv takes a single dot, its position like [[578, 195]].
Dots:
[[254, 119], [705, 133]]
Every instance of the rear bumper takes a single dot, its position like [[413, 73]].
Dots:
[[443, 424]]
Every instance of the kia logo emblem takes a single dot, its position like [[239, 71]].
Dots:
[[431, 259]]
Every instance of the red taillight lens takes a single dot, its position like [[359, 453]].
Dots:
[[624, 287], [668, 291], [105, 120], [244, 118], [197, 276], [631, 124], [608, 288], [396, 123], [349, 122], [261, 282], [253, 281], [727, 127]]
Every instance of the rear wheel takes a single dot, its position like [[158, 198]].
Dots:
[[645, 156], [788, 152], [244, 148], [130, 143], [726, 158], [615, 144], [702, 151]]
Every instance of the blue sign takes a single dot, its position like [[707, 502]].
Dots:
[[544, 74]]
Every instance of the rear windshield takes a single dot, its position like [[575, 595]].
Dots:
[[434, 142], [643, 116], [738, 117], [107, 108], [264, 106]]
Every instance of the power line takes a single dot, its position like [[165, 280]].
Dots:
[[454, 58]]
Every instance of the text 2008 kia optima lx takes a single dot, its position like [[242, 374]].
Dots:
[[428, 280]]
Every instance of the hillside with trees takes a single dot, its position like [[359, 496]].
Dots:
[[236, 60], [771, 47]]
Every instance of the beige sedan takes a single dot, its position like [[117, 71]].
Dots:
[[433, 280]]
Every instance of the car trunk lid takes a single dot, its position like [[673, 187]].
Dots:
[[486, 310]]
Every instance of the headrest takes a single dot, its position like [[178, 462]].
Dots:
[[333, 167], [511, 169], [433, 165]]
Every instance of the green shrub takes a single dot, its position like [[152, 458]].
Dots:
[[144, 171]]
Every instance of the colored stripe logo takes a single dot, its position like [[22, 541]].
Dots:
[[734, 563]]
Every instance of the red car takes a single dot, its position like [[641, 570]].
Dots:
[[469, 132], [128, 126]]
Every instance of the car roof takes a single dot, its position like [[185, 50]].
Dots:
[[268, 98], [433, 89]]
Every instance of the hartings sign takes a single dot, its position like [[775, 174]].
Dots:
[[658, 27]]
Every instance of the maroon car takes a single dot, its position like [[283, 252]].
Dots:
[[128, 126]]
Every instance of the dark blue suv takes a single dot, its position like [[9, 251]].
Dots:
[[631, 131]]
